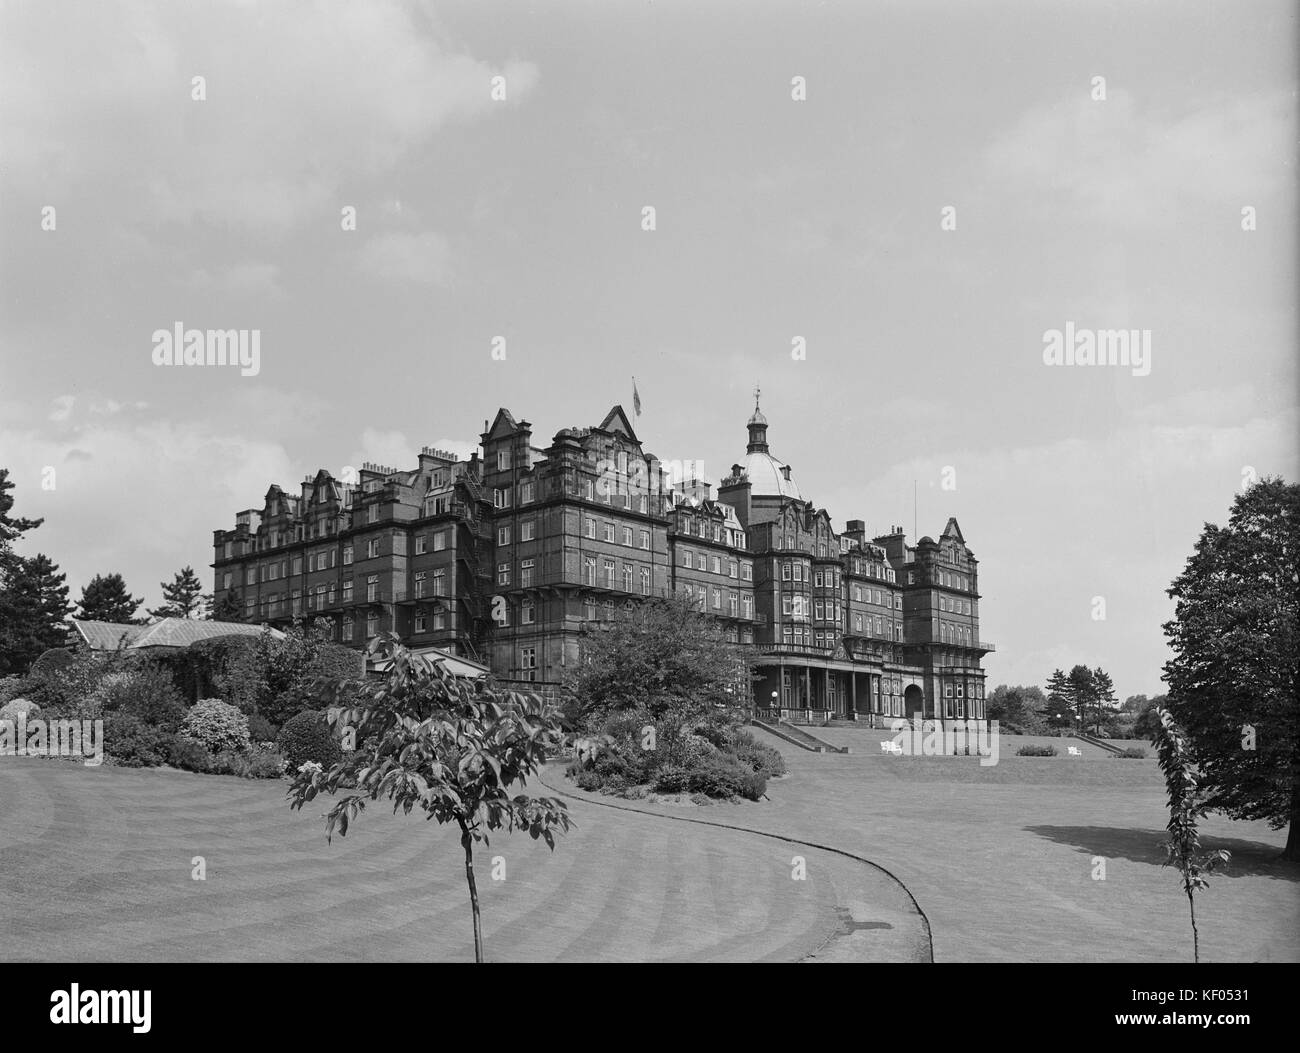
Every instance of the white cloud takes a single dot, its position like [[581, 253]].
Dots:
[[422, 259]]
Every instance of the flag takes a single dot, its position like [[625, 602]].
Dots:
[[636, 399]]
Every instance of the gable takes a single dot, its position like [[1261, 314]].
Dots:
[[616, 423]]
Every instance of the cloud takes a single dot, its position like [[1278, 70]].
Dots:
[[302, 98], [421, 259]]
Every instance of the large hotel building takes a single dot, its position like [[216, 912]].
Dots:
[[507, 559]]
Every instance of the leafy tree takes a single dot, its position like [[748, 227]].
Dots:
[[1235, 671], [230, 608], [1148, 718], [19, 588], [106, 599], [660, 657], [454, 747], [34, 599], [182, 596], [1186, 805], [1081, 691], [275, 677], [1103, 697], [1018, 709]]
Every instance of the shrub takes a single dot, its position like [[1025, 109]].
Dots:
[[217, 726], [132, 743], [307, 737], [758, 756], [15, 706], [260, 729], [1036, 751], [183, 752], [265, 764], [1132, 753], [11, 687], [230, 762], [142, 689], [724, 776], [588, 780], [671, 778]]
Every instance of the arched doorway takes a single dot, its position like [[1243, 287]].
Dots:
[[913, 702]]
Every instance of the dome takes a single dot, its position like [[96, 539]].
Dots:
[[758, 417], [766, 477]]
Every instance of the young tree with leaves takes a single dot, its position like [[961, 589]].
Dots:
[[451, 746], [182, 596], [230, 608], [1186, 805], [1234, 678], [106, 599]]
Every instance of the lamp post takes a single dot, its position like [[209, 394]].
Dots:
[[776, 705]]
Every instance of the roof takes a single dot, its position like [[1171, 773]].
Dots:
[[454, 664], [165, 632], [766, 478]]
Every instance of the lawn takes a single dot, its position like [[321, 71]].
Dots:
[[95, 864], [1001, 858]]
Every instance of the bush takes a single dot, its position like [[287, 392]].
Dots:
[[307, 737], [265, 764], [218, 727], [757, 756], [1132, 753], [1036, 751], [724, 776], [230, 762], [183, 752], [588, 780], [132, 743], [15, 706], [142, 689], [11, 687], [260, 729], [671, 778]]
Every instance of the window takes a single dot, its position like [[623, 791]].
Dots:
[[645, 540], [857, 623], [527, 530], [747, 572], [419, 584], [372, 514], [627, 536], [347, 591], [817, 579], [627, 577], [589, 571], [819, 611], [731, 568], [961, 692], [271, 572], [717, 599], [501, 497], [503, 573], [687, 561], [347, 555], [526, 613], [645, 581], [798, 572], [347, 630], [372, 624], [526, 572], [439, 541], [372, 588], [372, 548], [589, 609], [609, 574], [717, 565], [297, 565], [421, 543], [733, 603], [440, 581], [322, 561], [609, 531], [331, 595], [503, 460], [747, 606], [528, 657], [591, 528], [225, 578], [911, 577], [702, 560], [503, 535], [421, 623], [525, 492]]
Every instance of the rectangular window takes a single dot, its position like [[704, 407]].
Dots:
[[527, 530], [419, 584], [627, 577], [627, 536], [798, 572], [717, 565], [297, 565], [421, 543], [645, 581], [591, 528], [347, 630], [589, 571], [817, 579], [589, 609], [609, 574], [225, 580], [347, 591], [372, 624], [609, 531], [501, 497], [347, 555], [503, 460], [372, 588], [733, 604], [503, 535], [526, 612], [421, 623], [731, 568], [717, 599], [503, 573], [687, 561], [372, 548], [440, 581], [645, 540], [439, 541], [525, 493], [439, 620], [747, 606], [746, 572], [526, 572]]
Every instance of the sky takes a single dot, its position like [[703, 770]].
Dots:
[[499, 157]]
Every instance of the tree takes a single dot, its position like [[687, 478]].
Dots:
[[34, 598], [182, 596], [452, 746], [14, 594], [1018, 709], [230, 608], [1235, 671], [1186, 805], [1148, 718], [660, 653], [1103, 697], [106, 599], [1059, 700], [1081, 691]]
